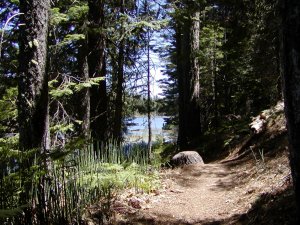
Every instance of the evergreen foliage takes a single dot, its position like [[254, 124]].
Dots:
[[237, 41], [220, 60]]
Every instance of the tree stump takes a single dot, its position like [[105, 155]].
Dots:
[[186, 158]]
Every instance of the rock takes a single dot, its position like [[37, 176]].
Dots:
[[186, 158], [135, 202], [258, 124]]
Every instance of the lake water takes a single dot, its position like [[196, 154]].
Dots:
[[138, 129]]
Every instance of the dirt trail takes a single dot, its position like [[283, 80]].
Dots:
[[251, 186], [201, 194], [197, 193]]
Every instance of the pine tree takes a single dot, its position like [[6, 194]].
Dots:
[[118, 115], [33, 111], [97, 68], [187, 45], [33, 80]]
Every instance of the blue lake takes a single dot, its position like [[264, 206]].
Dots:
[[138, 129]]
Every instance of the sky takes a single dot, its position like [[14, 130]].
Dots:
[[156, 75]]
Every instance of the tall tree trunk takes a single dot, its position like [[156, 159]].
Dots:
[[33, 110], [180, 35], [96, 64], [195, 44], [291, 78], [149, 98], [33, 80], [193, 119], [83, 105], [117, 130], [187, 41], [215, 88]]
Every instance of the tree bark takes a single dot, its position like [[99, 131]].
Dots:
[[180, 36], [118, 117], [291, 80], [149, 98], [187, 44], [33, 80], [83, 106], [193, 118], [33, 109], [96, 64]]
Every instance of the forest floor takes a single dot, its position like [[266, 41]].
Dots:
[[249, 184], [239, 192]]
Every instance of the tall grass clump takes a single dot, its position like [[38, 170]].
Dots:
[[72, 181]]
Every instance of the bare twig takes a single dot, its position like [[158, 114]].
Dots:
[[5, 25]]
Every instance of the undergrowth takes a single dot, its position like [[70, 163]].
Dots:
[[73, 180]]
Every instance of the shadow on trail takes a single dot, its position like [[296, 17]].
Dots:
[[222, 176], [193, 176], [269, 209]]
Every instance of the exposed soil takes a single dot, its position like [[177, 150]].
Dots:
[[240, 192], [249, 184]]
